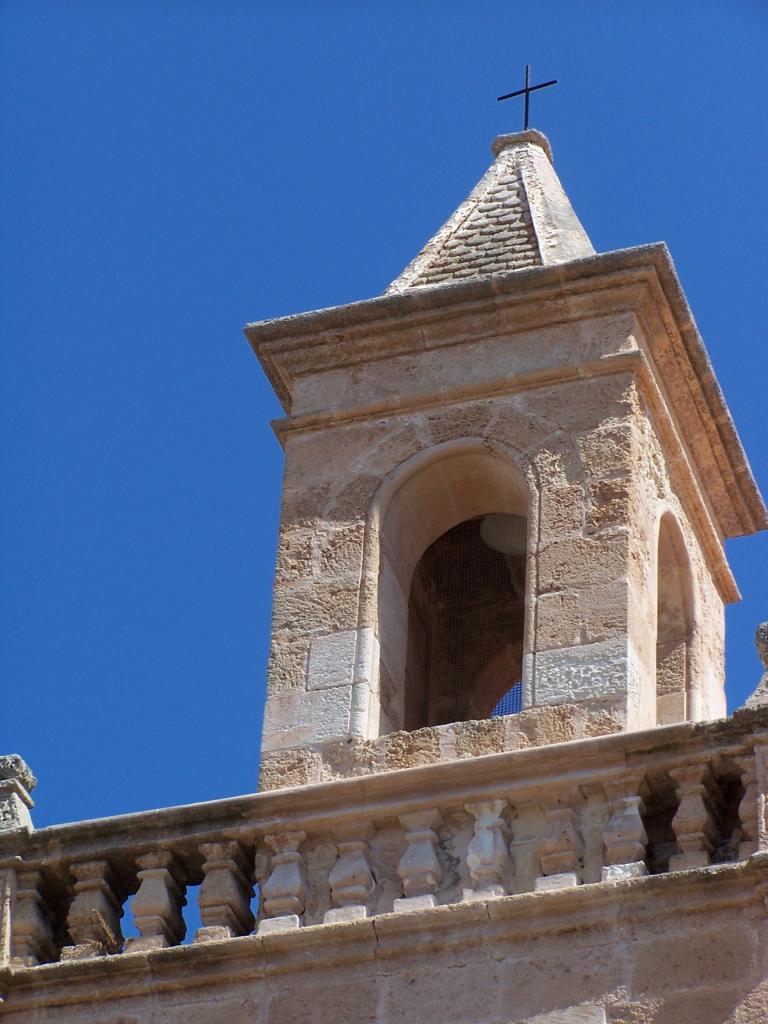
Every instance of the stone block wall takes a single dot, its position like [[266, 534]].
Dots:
[[364, 497]]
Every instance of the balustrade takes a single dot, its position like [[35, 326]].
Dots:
[[408, 844]]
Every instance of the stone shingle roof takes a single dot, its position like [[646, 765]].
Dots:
[[517, 216]]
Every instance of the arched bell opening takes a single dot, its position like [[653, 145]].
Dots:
[[452, 589], [465, 621], [674, 626]]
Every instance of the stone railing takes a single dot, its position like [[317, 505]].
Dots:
[[594, 811]]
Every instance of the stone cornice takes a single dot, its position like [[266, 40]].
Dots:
[[640, 280]]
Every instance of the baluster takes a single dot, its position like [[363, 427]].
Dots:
[[692, 824], [624, 836], [351, 880], [94, 915], [158, 902], [419, 867], [560, 850], [487, 856], [225, 895], [748, 808], [285, 890], [31, 931]]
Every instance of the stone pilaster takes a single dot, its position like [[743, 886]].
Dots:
[[31, 931], [7, 899]]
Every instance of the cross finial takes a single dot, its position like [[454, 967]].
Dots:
[[527, 91]]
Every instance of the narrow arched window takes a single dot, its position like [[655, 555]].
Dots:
[[674, 625], [452, 590]]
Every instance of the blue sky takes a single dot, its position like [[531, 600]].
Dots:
[[172, 170]]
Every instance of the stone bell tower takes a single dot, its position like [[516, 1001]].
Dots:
[[518, 407], [508, 481]]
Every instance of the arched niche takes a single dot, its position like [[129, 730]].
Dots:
[[674, 625], [445, 514]]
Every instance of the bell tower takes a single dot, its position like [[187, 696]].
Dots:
[[508, 481]]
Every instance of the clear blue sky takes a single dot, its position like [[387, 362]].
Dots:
[[172, 170]]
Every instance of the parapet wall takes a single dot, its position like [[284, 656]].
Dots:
[[534, 727]]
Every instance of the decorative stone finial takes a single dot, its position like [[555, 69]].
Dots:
[[760, 697], [16, 783], [530, 135]]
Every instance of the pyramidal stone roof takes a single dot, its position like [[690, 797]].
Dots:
[[517, 216]]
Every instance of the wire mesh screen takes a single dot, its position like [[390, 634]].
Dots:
[[466, 622], [510, 703]]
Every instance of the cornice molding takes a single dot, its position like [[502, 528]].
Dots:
[[641, 281]]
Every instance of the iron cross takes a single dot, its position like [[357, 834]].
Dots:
[[527, 91]]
